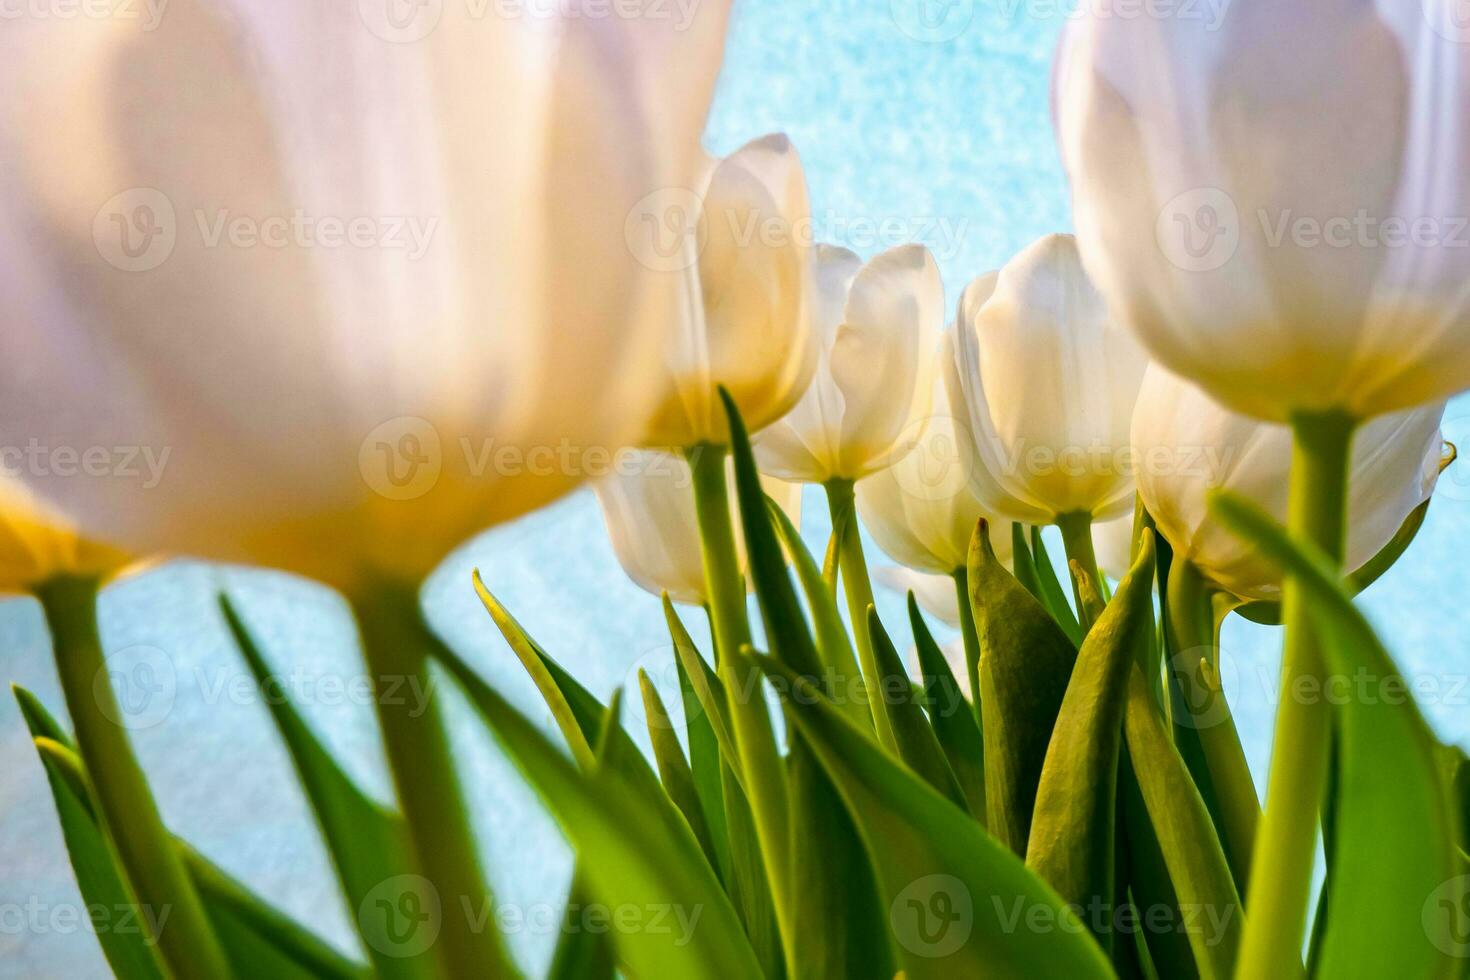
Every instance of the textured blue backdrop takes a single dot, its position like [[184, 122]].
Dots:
[[932, 129]]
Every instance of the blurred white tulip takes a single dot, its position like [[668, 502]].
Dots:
[[358, 299], [1045, 387], [1112, 542], [936, 594], [865, 408], [922, 510], [36, 543], [1286, 234], [648, 507], [742, 245], [1187, 444]]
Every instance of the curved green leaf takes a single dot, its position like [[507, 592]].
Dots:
[[258, 939], [632, 856], [1073, 827], [832, 643], [950, 714], [1388, 788], [368, 842], [918, 746], [1025, 663], [959, 903]]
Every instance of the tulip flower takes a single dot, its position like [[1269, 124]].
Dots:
[[648, 507], [37, 544], [878, 323], [1288, 236], [1046, 388], [296, 263], [922, 512], [1112, 542], [1187, 444], [1278, 232], [359, 293], [935, 593], [741, 245]]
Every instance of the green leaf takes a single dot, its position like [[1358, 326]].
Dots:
[[1185, 833], [130, 953], [368, 842], [673, 768], [1073, 826], [1023, 563], [950, 714], [262, 941], [704, 766], [1026, 661], [1092, 601], [747, 883], [786, 628], [576, 727], [1053, 596], [1388, 789], [918, 746], [959, 903], [840, 925], [126, 810], [833, 645], [709, 690], [633, 857], [581, 953], [258, 939]]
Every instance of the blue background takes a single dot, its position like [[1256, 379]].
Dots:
[[939, 133]]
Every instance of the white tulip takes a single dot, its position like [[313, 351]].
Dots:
[[648, 507], [865, 408], [355, 299], [922, 510], [1046, 388], [1275, 204], [1112, 542], [1187, 444], [936, 594], [742, 245], [36, 543]]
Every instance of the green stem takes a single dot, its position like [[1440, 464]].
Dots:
[[1076, 529], [1286, 846], [755, 741], [153, 865], [853, 564], [722, 572], [1194, 643], [970, 634], [398, 646]]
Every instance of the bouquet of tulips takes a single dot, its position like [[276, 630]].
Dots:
[[1220, 406]]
